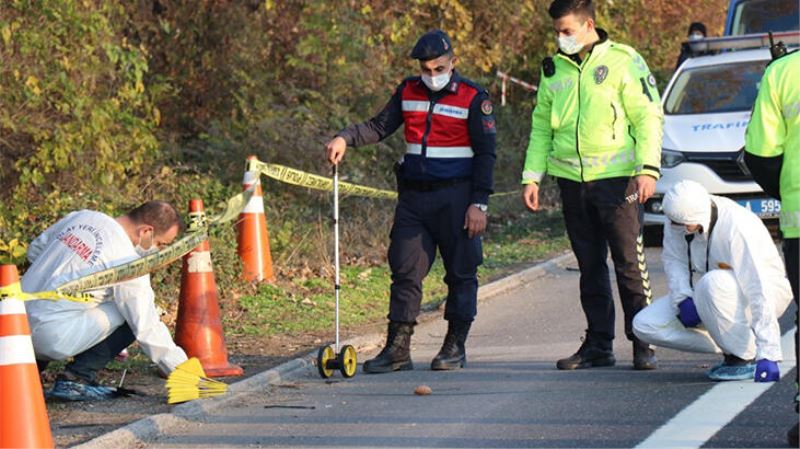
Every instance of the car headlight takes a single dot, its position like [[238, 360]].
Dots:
[[670, 158]]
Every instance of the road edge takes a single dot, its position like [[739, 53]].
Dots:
[[138, 432]]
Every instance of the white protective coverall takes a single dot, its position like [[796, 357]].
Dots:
[[82, 243], [741, 289]]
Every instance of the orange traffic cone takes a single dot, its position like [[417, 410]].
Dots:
[[23, 415], [199, 328], [253, 238]]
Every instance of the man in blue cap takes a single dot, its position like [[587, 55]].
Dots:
[[444, 183]]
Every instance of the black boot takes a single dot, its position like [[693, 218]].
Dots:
[[791, 436], [591, 354], [452, 355], [644, 357], [396, 355]]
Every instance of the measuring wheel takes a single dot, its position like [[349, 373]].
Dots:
[[325, 358], [347, 361]]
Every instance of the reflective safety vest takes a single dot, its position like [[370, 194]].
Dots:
[[774, 130], [436, 130], [598, 119]]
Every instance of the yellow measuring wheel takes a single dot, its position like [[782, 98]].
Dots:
[[347, 361], [325, 356], [328, 360]]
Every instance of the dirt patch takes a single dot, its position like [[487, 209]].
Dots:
[[75, 423]]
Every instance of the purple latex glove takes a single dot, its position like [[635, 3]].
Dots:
[[767, 371], [687, 313]]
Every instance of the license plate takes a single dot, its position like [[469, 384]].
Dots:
[[764, 208]]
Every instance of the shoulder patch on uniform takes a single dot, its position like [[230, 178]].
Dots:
[[486, 107], [600, 74], [489, 125], [548, 67]]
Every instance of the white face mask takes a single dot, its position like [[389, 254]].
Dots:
[[696, 37], [570, 44], [145, 252], [438, 82]]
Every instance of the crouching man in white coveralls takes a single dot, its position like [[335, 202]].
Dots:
[[86, 242], [733, 305]]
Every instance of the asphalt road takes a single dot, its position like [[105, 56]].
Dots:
[[510, 395]]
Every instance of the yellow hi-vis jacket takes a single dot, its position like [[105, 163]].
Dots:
[[774, 130], [600, 119]]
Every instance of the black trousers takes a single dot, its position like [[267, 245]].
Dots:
[[600, 215], [791, 256], [423, 222], [86, 364]]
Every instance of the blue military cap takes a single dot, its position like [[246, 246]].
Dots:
[[431, 45]]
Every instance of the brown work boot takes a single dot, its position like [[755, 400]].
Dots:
[[396, 355], [452, 355]]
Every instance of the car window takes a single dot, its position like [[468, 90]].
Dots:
[[760, 16], [720, 88]]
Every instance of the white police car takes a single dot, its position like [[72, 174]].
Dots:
[[707, 106], [760, 16]]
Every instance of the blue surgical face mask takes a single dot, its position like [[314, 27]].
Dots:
[[141, 251]]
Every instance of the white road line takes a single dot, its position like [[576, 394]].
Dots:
[[712, 411]]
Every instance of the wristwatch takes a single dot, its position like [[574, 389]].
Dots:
[[481, 207]]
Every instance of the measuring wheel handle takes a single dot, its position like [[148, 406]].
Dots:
[[348, 362], [325, 358]]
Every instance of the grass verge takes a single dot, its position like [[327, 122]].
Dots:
[[305, 304]]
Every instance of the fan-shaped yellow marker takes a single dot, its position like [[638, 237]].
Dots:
[[189, 382]]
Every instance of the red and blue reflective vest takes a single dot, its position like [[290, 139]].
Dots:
[[449, 134]]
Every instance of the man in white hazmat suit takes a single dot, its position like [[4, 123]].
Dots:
[[733, 305], [82, 243]]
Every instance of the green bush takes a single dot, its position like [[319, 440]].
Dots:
[[106, 104], [77, 121]]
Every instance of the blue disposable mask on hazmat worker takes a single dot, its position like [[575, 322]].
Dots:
[[141, 251], [438, 82], [570, 44]]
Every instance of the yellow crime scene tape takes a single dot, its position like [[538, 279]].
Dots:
[[15, 291], [197, 233], [304, 179], [300, 178]]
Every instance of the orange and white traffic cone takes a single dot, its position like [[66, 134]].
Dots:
[[199, 327], [23, 415], [253, 237]]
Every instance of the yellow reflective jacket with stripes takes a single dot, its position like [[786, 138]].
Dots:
[[597, 119], [774, 130]]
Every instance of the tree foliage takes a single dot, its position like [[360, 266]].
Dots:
[[75, 110], [103, 104]]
